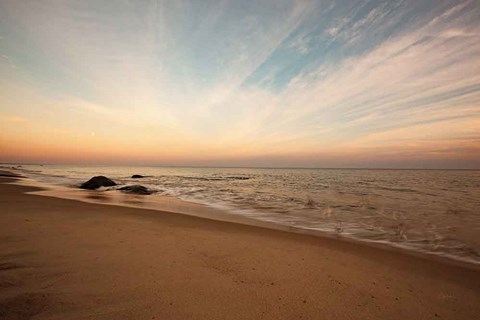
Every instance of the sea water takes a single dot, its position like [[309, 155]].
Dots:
[[430, 211]]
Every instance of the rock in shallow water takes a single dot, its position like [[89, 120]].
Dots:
[[136, 189], [97, 182]]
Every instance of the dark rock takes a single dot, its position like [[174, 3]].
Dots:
[[97, 182], [137, 176], [136, 189]]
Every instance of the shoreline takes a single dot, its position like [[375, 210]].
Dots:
[[68, 259], [175, 205]]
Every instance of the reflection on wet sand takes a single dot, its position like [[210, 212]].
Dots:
[[134, 199], [113, 196], [98, 196], [154, 202]]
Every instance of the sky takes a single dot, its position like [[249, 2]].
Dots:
[[381, 84]]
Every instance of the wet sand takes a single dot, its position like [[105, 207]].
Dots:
[[65, 259]]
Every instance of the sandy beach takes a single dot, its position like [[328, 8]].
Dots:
[[66, 259]]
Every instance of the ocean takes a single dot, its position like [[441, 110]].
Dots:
[[428, 211]]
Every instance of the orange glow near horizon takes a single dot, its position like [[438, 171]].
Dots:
[[276, 90]]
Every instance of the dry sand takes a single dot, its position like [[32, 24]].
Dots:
[[65, 259]]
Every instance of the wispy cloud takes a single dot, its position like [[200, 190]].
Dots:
[[253, 78]]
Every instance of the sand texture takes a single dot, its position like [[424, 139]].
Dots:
[[65, 259]]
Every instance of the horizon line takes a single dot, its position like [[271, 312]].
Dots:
[[236, 167]]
